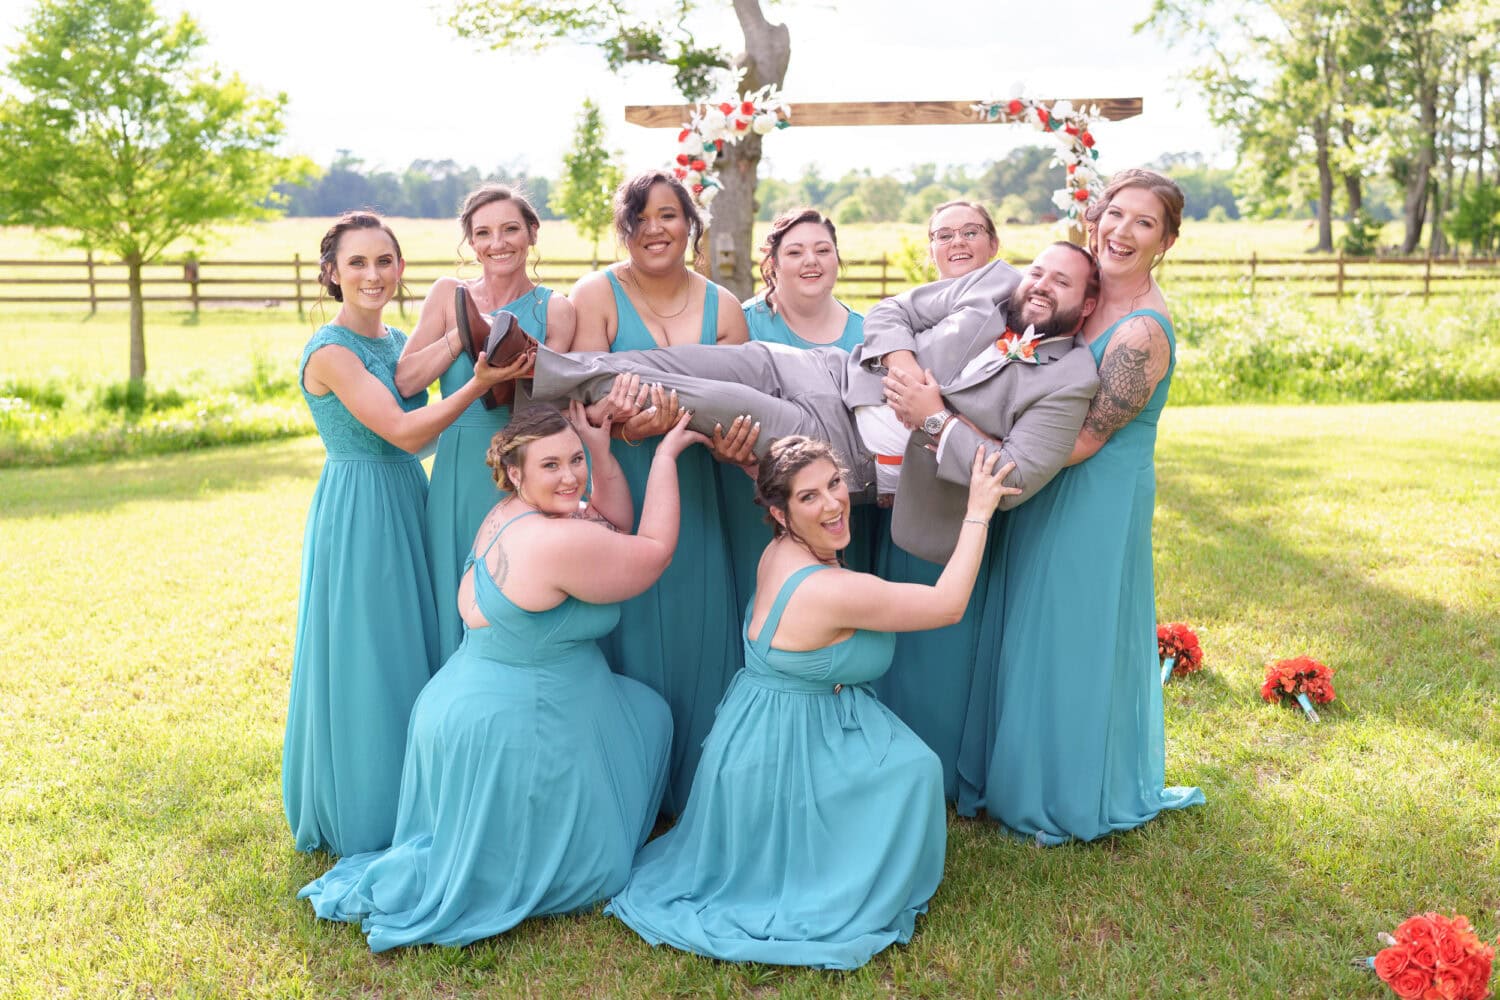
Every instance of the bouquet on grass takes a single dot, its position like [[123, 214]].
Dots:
[[1178, 648], [1437, 957], [1303, 679]]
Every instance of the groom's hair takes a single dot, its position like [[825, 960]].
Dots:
[[1091, 287]]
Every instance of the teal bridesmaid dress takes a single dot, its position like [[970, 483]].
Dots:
[[532, 775], [463, 488], [1065, 740], [745, 521], [815, 831], [680, 637], [366, 626]]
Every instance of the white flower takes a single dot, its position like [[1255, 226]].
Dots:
[[765, 124], [693, 177], [1017, 89], [707, 195], [1063, 200], [1062, 109], [713, 122]]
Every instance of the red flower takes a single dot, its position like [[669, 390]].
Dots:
[[1410, 984], [1070, 128], [1072, 167], [1014, 107], [1087, 139], [1437, 957], [726, 107], [682, 136], [747, 108], [1288, 678], [679, 172], [683, 158], [1391, 962], [1176, 639], [1041, 114], [741, 124], [699, 165], [1081, 194], [697, 189]]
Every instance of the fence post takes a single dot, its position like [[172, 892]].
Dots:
[[884, 260], [1339, 294], [297, 282], [93, 294], [1427, 277], [190, 272], [1252, 274]]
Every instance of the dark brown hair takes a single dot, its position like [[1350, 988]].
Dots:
[[1166, 190], [773, 482], [1092, 287], [328, 249], [508, 447], [630, 202], [772, 245]]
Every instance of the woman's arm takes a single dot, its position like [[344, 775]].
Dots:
[[863, 600], [600, 566], [610, 497], [338, 370], [562, 324], [594, 311], [732, 328], [433, 344], [1133, 365]]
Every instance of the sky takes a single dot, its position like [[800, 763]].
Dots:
[[392, 83]]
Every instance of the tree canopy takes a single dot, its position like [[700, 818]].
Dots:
[[113, 134]]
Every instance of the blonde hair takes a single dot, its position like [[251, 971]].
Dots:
[[508, 447]]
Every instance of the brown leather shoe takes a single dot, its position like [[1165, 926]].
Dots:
[[500, 337]]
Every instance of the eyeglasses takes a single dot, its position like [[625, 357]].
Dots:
[[970, 234]]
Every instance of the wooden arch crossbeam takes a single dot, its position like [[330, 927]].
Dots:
[[879, 112]]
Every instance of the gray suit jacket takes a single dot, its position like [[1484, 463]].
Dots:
[[1036, 410]]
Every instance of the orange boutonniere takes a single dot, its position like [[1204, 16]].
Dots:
[[1015, 346]]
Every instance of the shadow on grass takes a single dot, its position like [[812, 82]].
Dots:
[[102, 486]]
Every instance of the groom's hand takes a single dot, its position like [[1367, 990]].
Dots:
[[913, 398]]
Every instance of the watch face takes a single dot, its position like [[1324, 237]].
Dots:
[[933, 425]]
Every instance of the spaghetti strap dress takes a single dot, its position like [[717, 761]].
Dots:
[[532, 776], [1069, 744], [463, 489], [680, 637], [815, 831], [745, 521], [366, 626]]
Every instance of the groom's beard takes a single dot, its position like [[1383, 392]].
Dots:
[[1059, 321]]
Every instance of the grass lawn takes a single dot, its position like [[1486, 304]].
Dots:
[[148, 612]]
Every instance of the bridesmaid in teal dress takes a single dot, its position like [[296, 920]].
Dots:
[[681, 636], [930, 685], [500, 226], [532, 772], [799, 264], [1072, 737], [366, 626], [815, 831]]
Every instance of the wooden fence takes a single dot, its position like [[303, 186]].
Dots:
[[86, 281]]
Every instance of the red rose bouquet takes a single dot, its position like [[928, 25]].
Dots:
[[1433, 957], [1303, 679], [1178, 648]]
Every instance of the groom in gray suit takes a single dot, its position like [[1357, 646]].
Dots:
[[999, 345]]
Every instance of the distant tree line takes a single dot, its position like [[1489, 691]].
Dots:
[[428, 189]]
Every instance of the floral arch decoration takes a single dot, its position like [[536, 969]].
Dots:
[[713, 124], [1072, 129]]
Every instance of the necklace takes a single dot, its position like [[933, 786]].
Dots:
[[686, 295]]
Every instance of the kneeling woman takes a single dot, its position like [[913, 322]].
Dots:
[[532, 772], [815, 830]]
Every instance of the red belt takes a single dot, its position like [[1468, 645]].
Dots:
[[887, 459]]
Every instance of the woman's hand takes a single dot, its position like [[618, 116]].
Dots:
[[487, 375], [658, 418], [738, 446], [625, 399], [678, 438], [595, 439], [913, 399], [987, 484]]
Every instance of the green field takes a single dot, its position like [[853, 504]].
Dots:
[[147, 618]]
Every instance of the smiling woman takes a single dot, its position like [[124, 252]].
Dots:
[[366, 627]]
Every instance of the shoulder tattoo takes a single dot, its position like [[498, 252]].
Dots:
[[502, 565], [1125, 386]]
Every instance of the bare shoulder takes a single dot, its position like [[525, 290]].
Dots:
[[731, 327], [592, 287]]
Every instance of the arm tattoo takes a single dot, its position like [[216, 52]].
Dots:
[[589, 515], [1124, 388]]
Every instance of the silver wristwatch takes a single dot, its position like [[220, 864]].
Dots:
[[933, 425]]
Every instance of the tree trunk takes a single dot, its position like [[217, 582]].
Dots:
[[1354, 191], [1325, 188], [137, 319], [1418, 180], [768, 50]]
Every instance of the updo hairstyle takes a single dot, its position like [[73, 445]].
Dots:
[[508, 447], [328, 249], [773, 484], [630, 202], [780, 226]]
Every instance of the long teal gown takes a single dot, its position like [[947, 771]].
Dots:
[[366, 626], [815, 831], [463, 488], [680, 637], [745, 522], [1069, 743], [532, 775]]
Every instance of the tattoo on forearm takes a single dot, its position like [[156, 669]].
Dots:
[[587, 515], [1124, 387]]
